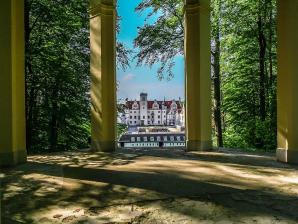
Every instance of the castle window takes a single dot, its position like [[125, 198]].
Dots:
[[138, 139], [165, 138], [145, 139], [158, 138], [133, 139], [172, 138], [152, 139]]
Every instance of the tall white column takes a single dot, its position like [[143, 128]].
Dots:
[[12, 83], [198, 74], [287, 83], [103, 74]]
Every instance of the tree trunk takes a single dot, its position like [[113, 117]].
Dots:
[[262, 78], [30, 107], [54, 120], [217, 96], [217, 82], [29, 91], [272, 77]]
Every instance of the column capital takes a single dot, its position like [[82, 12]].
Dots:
[[195, 7], [97, 8], [105, 2]]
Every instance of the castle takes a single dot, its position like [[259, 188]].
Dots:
[[153, 113]]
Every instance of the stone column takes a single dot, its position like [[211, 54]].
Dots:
[[12, 83], [198, 74], [287, 84], [103, 74]]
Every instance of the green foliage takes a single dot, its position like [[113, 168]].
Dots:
[[162, 41], [241, 82], [121, 129], [57, 74]]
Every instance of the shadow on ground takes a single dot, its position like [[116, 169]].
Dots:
[[150, 186]]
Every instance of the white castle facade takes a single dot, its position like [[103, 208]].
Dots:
[[153, 113]]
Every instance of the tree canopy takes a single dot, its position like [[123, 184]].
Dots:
[[162, 41]]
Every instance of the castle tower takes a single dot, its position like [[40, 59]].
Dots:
[[144, 108]]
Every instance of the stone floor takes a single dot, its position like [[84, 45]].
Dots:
[[159, 186]]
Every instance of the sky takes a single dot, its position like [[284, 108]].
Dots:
[[135, 80]]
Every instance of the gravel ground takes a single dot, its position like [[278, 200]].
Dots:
[[150, 186]]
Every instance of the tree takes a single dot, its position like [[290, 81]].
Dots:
[[246, 28], [162, 41], [216, 73]]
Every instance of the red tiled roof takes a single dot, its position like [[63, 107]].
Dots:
[[150, 104], [129, 104]]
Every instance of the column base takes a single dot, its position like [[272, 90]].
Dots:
[[13, 158], [198, 145], [99, 146], [287, 156]]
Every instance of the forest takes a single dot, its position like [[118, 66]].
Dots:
[[243, 49]]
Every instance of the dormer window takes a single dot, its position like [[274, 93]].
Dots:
[[174, 105], [155, 106], [135, 106]]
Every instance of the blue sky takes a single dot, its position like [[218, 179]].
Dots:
[[135, 79]]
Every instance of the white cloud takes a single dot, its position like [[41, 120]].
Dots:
[[128, 77], [157, 91]]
